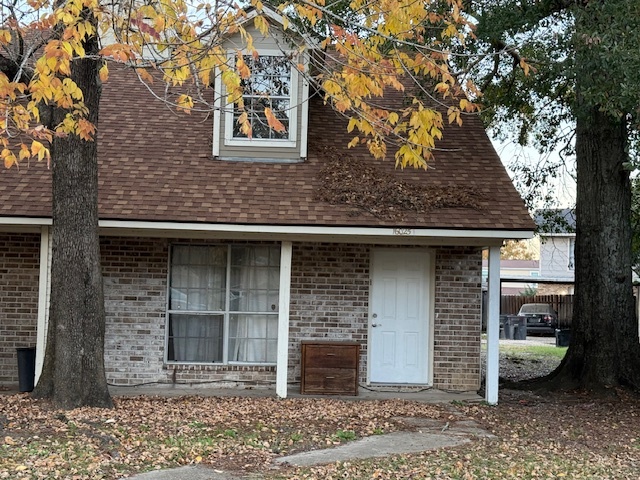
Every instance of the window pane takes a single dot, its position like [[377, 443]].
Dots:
[[252, 338], [268, 87], [255, 278], [198, 284], [198, 278], [195, 338]]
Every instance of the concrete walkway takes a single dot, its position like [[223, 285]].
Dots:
[[428, 435]]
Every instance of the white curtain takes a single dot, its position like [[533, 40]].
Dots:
[[198, 284], [252, 285], [198, 277], [197, 338]]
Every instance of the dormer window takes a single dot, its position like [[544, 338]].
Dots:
[[268, 87], [276, 82], [273, 84]]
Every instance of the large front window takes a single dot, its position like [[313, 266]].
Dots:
[[223, 304], [272, 85]]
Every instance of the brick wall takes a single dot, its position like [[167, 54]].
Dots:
[[458, 325], [329, 298], [19, 274], [135, 288], [135, 283]]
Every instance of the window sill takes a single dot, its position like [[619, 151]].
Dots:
[[238, 367], [241, 142], [259, 160]]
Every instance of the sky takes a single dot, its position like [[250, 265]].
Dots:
[[563, 188]]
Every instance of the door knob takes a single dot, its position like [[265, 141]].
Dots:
[[376, 324]]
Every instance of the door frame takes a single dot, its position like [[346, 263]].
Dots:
[[430, 277]]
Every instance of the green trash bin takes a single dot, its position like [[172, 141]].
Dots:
[[26, 368]]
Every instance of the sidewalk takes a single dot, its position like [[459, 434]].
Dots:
[[429, 435]]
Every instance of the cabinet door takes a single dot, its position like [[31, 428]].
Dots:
[[331, 356], [330, 380]]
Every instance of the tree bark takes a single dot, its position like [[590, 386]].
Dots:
[[73, 374], [604, 350]]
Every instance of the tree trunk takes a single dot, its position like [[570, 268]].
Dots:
[[73, 374], [604, 350]]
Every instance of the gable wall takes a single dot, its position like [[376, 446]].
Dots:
[[19, 274], [554, 257]]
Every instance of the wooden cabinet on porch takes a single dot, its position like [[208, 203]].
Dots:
[[330, 367]]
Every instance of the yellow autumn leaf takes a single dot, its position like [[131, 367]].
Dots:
[[104, 73], [261, 25], [24, 152], [9, 161], [185, 103], [5, 36], [85, 130], [38, 149], [144, 75], [243, 68]]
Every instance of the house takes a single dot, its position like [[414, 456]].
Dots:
[[222, 254], [514, 268], [557, 230]]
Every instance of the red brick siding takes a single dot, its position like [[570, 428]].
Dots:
[[19, 275], [457, 325], [329, 298]]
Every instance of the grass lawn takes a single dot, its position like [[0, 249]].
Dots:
[[533, 351]]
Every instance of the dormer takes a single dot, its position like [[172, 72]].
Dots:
[[275, 83]]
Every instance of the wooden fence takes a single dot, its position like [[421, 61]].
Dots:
[[563, 304]]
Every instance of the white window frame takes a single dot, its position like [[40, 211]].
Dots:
[[230, 140], [226, 313]]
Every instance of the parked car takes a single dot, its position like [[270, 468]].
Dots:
[[541, 318]]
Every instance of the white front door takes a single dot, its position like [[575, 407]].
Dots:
[[399, 324]]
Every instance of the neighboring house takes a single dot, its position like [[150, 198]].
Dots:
[[557, 230], [221, 254], [519, 269]]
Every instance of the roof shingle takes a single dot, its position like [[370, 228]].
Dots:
[[156, 165]]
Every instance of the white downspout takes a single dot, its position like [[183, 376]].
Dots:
[[493, 327], [44, 293], [282, 361]]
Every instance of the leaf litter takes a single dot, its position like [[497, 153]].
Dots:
[[362, 186], [538, 437]]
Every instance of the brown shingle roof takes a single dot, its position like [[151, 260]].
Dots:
[[156, 165]]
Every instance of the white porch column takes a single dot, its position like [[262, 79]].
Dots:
[[44, 291], [493, 327], [282, 361]]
